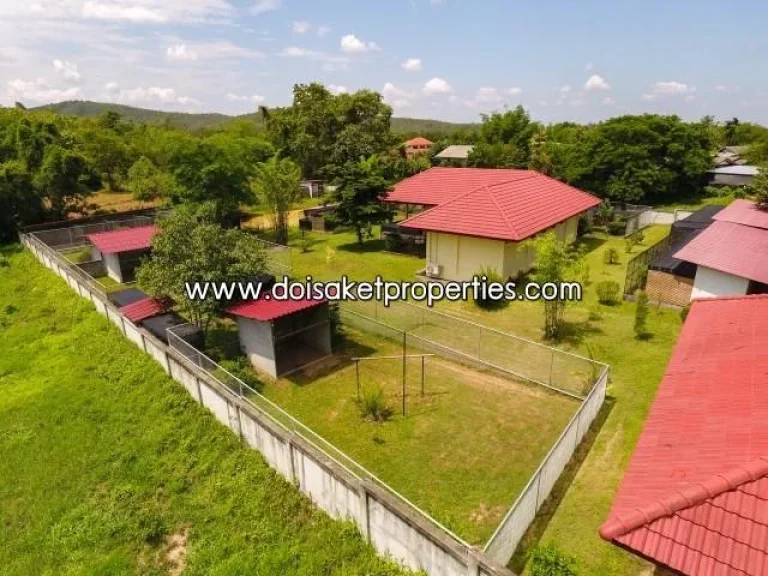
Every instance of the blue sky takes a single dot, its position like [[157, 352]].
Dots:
[[445, 59]]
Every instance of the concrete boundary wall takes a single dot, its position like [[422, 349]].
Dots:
[[391, 525]]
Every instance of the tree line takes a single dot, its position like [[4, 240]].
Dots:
[[50, 163]]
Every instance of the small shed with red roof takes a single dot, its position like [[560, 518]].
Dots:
[[694, 498], [280, 335], [479, 217], [122, 250]]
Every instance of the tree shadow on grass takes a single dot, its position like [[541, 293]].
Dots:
[[591, 243], [536, 530], [574, 333], [10, 249], [341, 358], [373, 245]]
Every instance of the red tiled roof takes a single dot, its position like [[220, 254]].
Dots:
[[513, 209], [266, 308], [695, 495], [145, 308], [123, 240], [418, 141], [439, 185], [744, 212], [731, 248]]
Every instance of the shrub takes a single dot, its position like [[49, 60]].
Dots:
[[641, 315], [374, 406], [549, 561], [489, 303], [242, 369], [684, 312], [617, 227], [305, 243], [608, 292], [611, 256], [337, 329]]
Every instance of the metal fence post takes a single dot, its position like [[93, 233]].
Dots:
[[404, 368], [551, 366]]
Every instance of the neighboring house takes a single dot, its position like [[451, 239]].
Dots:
[[417, 146], [455, 154], [693, 498], [122, 250], [731, 156], [281, 336], [480, 217], [312, 188], [670, 280], [731, 254], [732, 175]]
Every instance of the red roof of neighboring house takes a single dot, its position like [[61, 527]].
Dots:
[[145, 308], [123, 240], [731, 248], [418, 141], [695, 495], [267, 308], [512, 208], [744, 212]]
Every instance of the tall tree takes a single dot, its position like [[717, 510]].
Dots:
[[513, 128], [361, 187], [540, 160], [191, 246], [759, 188], [65, 180], [276, 184], [19, 201]]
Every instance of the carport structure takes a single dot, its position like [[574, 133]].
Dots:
[[122, 250], [282, 336]]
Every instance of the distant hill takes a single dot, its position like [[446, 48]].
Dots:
[[213, 120]]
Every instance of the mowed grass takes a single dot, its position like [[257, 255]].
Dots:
[[464, 450], [108, 467], [582, 502]]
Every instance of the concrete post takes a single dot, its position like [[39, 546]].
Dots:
[[365, 519]]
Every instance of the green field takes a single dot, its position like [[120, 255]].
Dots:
[[108, 467], [582, 501]]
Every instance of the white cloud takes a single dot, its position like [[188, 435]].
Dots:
[[152, 94], [671, 88], [596, 82], [180, 52], [110, 86], [565, 90], [210, 50], [437, 86], [411, 65], [351, 44], [301, 27], [254, 99], [296, 52], [67, 69], [608, 101], [120, 11], [262, 6], [39, 91], [487, 95], [514, 91], [322, 31], [336, 89]]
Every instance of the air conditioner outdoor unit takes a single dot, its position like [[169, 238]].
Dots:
[[433, 270]]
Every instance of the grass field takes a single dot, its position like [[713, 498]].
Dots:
[[108, 467], [465, 449], [582, 502]]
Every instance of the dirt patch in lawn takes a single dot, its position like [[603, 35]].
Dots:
[[176, 552]]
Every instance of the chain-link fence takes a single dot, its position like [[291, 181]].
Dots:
[[279, 258], [468, 342], [73, 237]]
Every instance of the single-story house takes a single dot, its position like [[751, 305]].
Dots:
[[480, 217], [417, 146], [736, 175], [122, 250], [693, 499], [281, 336], [670, 280], [731, 254], [455, 154]]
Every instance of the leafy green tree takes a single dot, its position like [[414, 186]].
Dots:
[[19, 201], [511, 128], [65, 180], [759, 187], [190, 245], [496, 155], [276, 185], [540, 160], [361, 186], [641, 315], [730, 129], [555, 262], [147, 182], [107, 153]]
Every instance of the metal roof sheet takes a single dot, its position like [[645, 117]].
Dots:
[[744, 212], [123, 240], [456, 152], [695, 494], [731, 248], [743, 170], [266, 308], [145, 308], [510, 205]]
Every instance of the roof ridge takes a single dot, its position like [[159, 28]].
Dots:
[[693, 495], [501, 212], [448, 203]]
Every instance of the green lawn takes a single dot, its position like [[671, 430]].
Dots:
[[108, 467], [466, 448], [606, 332]]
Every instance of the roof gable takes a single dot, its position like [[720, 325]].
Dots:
[[695, 494]]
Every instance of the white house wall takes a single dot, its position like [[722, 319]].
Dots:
[[112, 264], [257, 344], [709, 283]]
